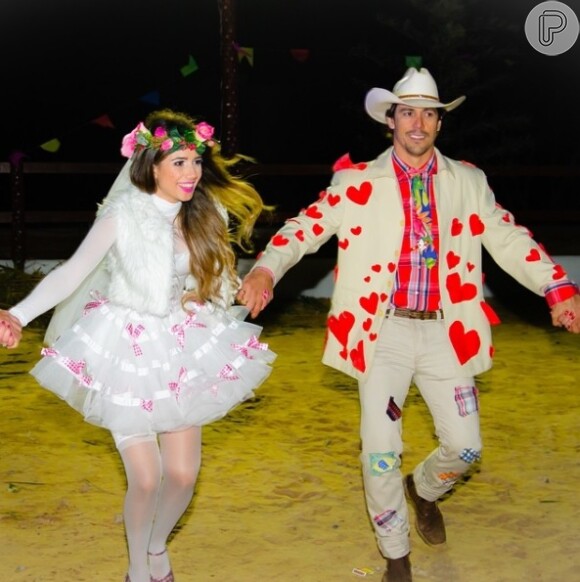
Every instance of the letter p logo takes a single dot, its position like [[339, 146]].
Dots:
[[551, 23], [552, 28]]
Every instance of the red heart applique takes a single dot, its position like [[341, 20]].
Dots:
[[456, 227], [384, 297], [343, 244], [344, 162], [333, 199], [533, 256], [356, 230], [376, 268], [372, 337], [357, 357], [391, 267], [558, 272], [279, 240], [506, 217], [367, 279], [317, 229], [465, 344], [361, 194], [459, 292], [475, 225], [299, 234], [470, 267], [491, 315], [367, 324], [313, 212], [340, 326], [452, 259], [370, 303]]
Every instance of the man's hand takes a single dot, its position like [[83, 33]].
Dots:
[[10, 330], [567, 314], [256, 291]]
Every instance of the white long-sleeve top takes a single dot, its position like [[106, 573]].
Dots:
[[66, 278]]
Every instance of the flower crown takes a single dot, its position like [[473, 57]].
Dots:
[[168, 141]]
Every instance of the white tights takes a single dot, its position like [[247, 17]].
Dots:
[[161, 476]]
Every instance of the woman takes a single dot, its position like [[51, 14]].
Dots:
[[156, 352]]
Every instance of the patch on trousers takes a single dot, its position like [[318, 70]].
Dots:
[[388, 520], [381, 463], [393, 411], [466, 400], [448, 478], [469, 455]]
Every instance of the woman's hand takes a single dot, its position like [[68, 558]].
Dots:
[[10, 330], [256, 291]]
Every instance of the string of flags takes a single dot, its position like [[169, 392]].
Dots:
[[105, 121], [244, 54]]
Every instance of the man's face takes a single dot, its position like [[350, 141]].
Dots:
[[414, 133]]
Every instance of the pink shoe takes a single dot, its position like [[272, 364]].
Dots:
[[169, 577]]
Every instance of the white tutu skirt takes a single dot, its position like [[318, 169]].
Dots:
[[142, 374]]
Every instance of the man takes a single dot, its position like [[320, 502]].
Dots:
[[408, 302]]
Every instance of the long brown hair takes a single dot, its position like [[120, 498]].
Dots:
[[208, 234]]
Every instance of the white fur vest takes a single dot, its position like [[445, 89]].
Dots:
[[140, 262]]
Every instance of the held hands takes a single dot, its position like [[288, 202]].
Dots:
[[10, 330], [567, 314], [256, 291]]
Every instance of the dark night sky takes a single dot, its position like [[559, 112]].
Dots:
[[66, 63]]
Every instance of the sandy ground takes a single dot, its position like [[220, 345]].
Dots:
[[280, 494]]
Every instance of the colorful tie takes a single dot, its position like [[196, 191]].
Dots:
[[422, 221]]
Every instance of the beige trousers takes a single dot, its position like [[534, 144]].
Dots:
[[419, 352]]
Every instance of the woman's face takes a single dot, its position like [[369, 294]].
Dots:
[[177, 175]]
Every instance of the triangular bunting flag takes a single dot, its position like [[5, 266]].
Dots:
[[247, 53], [51, 146], [300, 55], [153, 97], [190, 68], [413, 61], [103, 121], [16, 157]]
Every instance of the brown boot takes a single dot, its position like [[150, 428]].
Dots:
[[429, 523], [398, 570]]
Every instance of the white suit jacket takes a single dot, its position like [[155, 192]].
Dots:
[[363, 208]]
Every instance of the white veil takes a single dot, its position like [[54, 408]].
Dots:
[[69, 310]]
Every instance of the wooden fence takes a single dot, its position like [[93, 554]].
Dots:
[[537, 195]]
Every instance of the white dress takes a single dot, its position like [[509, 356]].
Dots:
[[136, 373]]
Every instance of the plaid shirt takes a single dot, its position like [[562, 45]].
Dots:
[[416, 285]]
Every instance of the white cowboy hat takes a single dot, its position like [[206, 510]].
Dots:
[[416, 89]]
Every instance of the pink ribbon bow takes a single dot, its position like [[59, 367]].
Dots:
[[175, 387], [134, 333], [77, 367], [250, 343], [228, 373], [97, 302], [179, 328]]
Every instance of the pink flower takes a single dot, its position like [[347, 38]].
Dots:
[[166, 145], [130, 140], [204, 131], [160, 132]]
